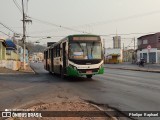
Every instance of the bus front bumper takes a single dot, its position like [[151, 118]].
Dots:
[[73, 72]]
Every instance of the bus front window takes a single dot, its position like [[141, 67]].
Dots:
[[85, 50]]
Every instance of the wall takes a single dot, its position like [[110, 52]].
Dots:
[[153, 41], [128, 55], [20, 50], [2, 63], [11, 64], [12, 56], [2, 52]]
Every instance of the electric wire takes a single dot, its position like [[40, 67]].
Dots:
[[17, 5], [9, 28], [121, 19], [59, 26], [5, 33], [104, 22]]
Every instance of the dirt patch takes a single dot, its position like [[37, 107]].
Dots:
[[69, 107]]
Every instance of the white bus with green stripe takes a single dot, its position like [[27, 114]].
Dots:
[[76, 56]]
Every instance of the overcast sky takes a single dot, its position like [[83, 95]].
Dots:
[[102, 17]]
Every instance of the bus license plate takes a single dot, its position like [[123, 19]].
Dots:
[[89, 71]]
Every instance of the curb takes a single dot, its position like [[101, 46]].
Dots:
[[107, 114], [134, 69], [20, 73]]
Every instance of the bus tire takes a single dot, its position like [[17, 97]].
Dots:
[[89, 76]]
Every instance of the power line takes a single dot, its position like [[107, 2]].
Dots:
[[7, 27], [109, 35], [127, 34], [130, 43], [17, 5], [5, 33], [122, 19], [55, 25], [44, 36]]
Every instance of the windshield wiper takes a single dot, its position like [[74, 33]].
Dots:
[[92, 47], [80, 46]]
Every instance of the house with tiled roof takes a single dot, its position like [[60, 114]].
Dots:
[[149, 48]]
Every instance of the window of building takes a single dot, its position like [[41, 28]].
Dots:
[[8, 52], [159, 39], [139, 42], [145, 41]]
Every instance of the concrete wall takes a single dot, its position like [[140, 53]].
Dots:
[[2, 52], [14, 65], [2, 63], [12, 56], [10, 64]]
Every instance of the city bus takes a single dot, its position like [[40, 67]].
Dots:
[[75, 56]]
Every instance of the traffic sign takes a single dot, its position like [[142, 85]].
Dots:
[[148, 47]]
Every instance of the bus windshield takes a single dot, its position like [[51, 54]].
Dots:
[[85, 50]]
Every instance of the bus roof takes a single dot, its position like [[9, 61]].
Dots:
[[71, 36]]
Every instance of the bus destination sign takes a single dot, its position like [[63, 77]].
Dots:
[[86, 38]]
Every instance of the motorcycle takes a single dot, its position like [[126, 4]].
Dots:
[[141, 62]]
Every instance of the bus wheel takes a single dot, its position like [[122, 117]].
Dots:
[[89, 76]]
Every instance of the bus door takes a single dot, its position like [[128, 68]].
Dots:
[[64, 57], [52, 66], [46, 60]]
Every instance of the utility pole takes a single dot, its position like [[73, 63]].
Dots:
[[134, 42], [123, 54], [24, 37]]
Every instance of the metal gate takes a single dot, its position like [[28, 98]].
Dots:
[[152, 57], [145, 56]]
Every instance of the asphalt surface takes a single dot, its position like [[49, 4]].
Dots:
[[123, 90]]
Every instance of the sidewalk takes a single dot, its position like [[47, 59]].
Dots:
[[129, 66], [9, 71]]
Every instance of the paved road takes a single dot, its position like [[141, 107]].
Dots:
[[120, 89]]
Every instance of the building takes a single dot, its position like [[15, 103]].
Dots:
[[12, 56], [129, 55], [2, 52], [11, 50], [117, 42], [37, 57], [113, 56], [149, 48]]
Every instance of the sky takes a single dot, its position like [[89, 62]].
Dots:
[[60, 18]]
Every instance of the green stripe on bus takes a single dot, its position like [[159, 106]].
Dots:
[[72, 72], [101, 70]]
